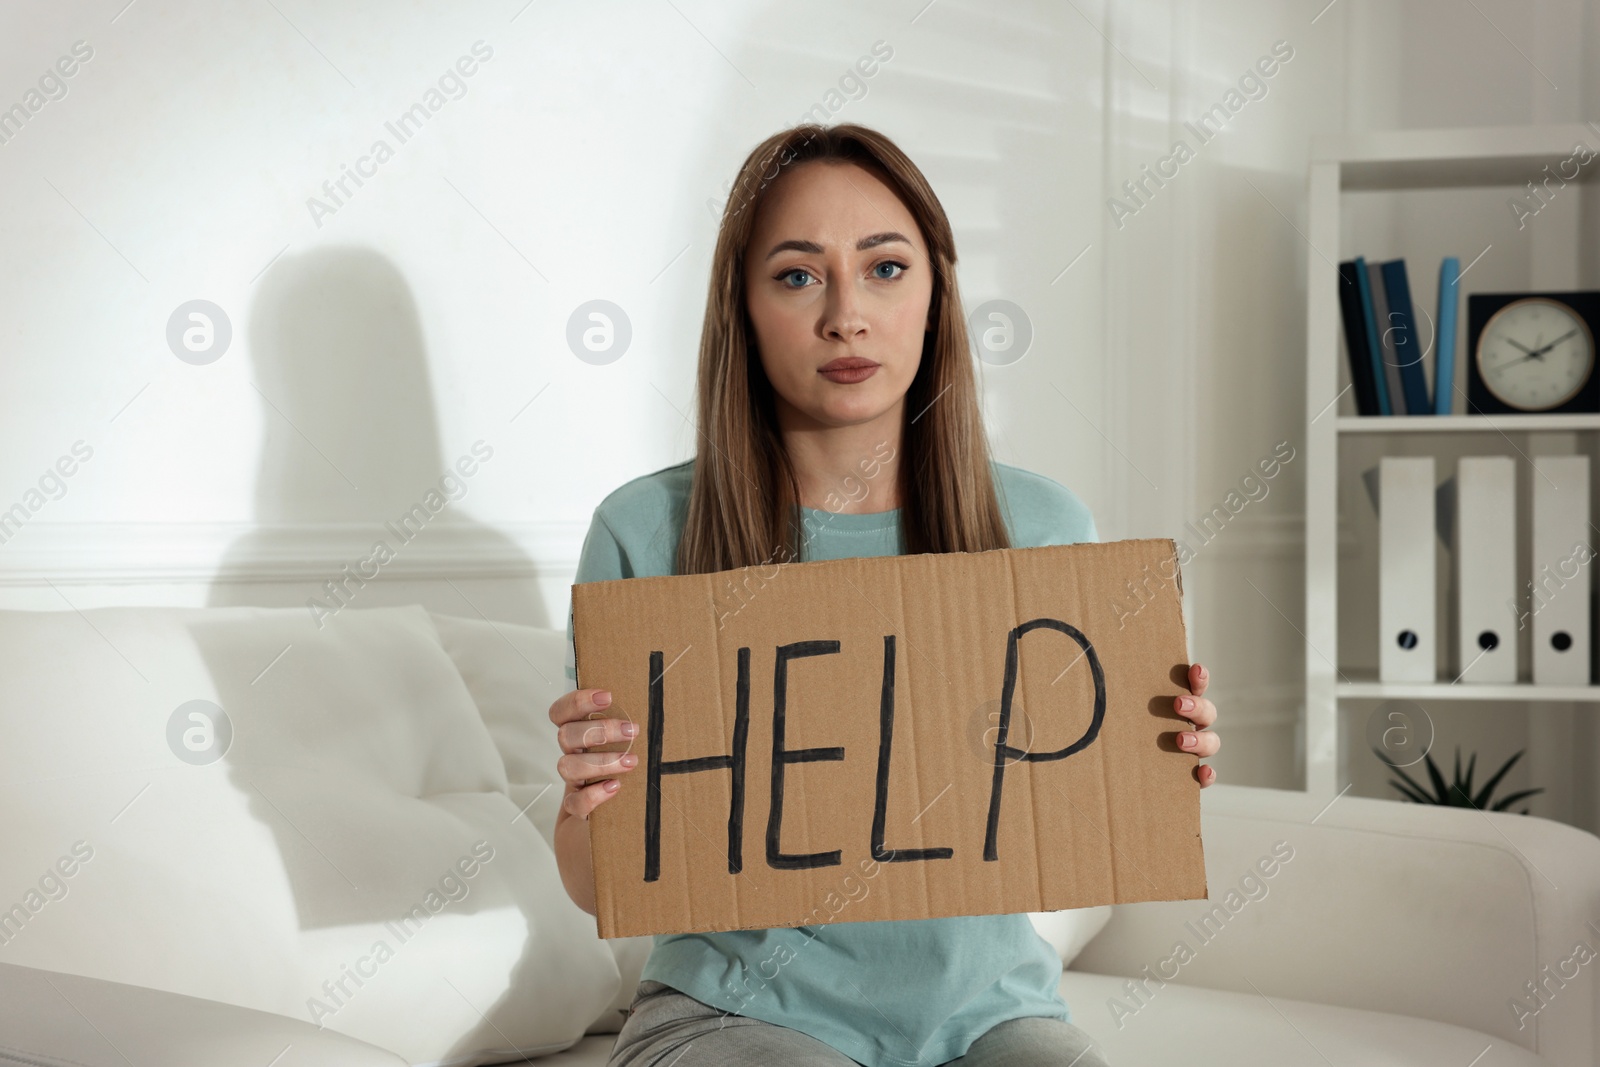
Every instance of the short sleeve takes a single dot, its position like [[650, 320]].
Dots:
[[1090, 532], [1069, 520], [602, 559], [1041, 511]]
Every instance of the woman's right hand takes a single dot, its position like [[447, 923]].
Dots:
[[581, 725]]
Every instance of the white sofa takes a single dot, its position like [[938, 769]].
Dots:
[[194, 892]]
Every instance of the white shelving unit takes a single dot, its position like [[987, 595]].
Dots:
[[1392, 160]]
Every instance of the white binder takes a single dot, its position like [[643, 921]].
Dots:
[[1558, 590], [1407, 615], [1487, 620]]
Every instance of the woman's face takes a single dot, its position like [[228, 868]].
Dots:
[[837, 270]]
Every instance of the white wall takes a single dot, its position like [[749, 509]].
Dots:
[[429, 312], [1206, 298]]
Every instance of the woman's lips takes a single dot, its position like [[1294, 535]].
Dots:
[[849, 370]]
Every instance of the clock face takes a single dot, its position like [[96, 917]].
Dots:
[[1535, 354]]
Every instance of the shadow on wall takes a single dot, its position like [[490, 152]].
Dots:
[[351, 447], [351, 442]]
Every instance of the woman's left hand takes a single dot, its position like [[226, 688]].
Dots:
[[1200, 711]]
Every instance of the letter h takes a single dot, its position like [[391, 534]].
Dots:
[[655, 767]]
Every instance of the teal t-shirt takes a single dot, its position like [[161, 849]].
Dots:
[[886, 993]]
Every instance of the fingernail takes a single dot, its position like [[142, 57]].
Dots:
[[602, 698], [628, 761], [611, 785], [630, 729], [1186, 703], [1186, 740]]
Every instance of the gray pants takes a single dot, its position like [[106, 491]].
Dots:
[[666, 1028]]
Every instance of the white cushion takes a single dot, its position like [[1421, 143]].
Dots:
[[514, 674], [1217, 1028], [1068, 931], [360, 786], [507, 670], [1426, 911], [66, 1020]]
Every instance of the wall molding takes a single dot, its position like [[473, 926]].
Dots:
[[1253, 536], [93, 553], [85, 553], [1254, 707]]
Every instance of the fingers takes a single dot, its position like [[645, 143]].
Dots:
[[582, 724], [577, 768], [1197, 710], [1204, 743], [583, 796], [1202, 713], [592, 733], [579, 704], [581, 802]]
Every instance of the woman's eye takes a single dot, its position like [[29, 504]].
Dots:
[[788, 276]]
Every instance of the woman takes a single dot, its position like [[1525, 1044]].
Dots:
[[838, 417]]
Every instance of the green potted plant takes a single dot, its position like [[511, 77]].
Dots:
[[1458, 793]]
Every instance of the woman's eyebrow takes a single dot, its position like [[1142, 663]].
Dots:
[[862, 245]]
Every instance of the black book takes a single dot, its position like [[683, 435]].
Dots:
[[1355, 340]]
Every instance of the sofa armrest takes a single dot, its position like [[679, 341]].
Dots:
[[1481, 919], [66, 1020]]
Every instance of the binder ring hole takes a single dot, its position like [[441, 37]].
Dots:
[[1407, 639], [1561, 640], [1488, 640]]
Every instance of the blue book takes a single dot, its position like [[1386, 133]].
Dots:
[[1374, 348], [1445, 366], [1407, 346]]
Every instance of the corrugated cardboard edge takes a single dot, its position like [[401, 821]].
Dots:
[[1183, 625]]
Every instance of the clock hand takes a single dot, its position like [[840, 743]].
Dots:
[[1515, 344], [1541, 351], [1519, 359]]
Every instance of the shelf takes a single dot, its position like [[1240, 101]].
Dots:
[[1344, 170], [1525, 692], [1451, 158], [1466, 423]]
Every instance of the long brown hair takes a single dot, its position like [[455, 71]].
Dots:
[[742, 505]]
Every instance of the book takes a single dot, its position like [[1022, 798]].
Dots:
[[1407, 343], [1370, 327], [1389, 358], [1445, 351], [1355, 340]]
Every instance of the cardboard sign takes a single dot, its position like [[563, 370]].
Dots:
[[894, 737]]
